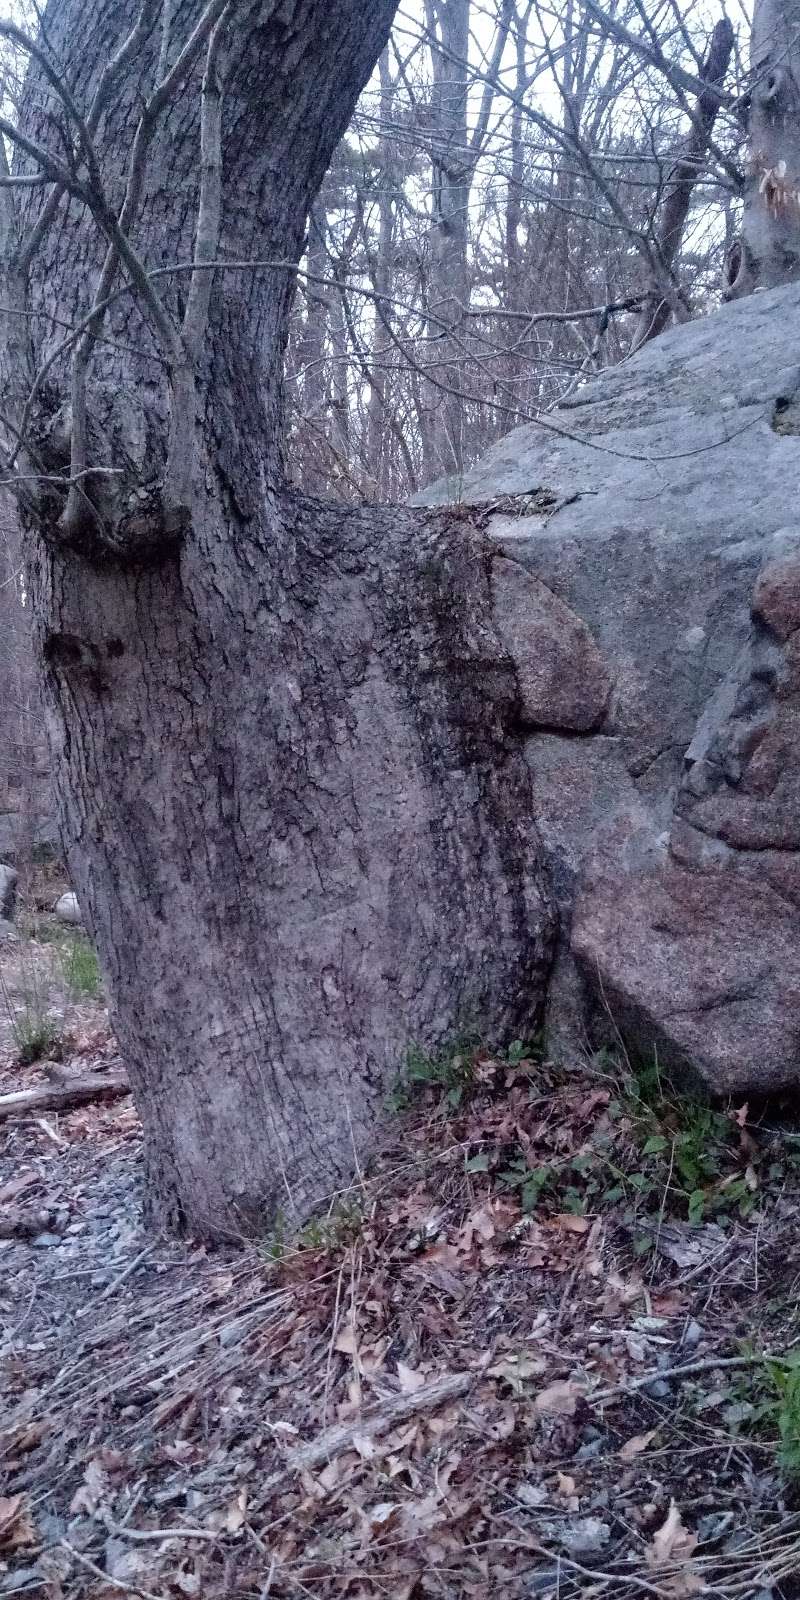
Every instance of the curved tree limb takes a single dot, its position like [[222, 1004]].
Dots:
[[657, 308]]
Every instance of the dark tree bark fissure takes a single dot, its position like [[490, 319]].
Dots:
[[295, 806]]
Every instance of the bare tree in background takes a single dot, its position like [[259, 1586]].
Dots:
[[21, 731]]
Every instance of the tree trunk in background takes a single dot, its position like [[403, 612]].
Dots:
[[768, 252], [25, 800], [451, 167], [287, 751], [657, 308], [311, 353], [381, 277], [516, 289]]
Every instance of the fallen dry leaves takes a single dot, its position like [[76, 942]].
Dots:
[[16, 1522], [410, 1410]]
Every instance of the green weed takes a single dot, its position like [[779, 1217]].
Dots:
[[274, 1248], [450, 1072], [80, 967], [648, 1147], [341, 1226], [35, 1031], [457, 1071], [36, 1035], [531, 1182], [688, 1149], [784, 1374]]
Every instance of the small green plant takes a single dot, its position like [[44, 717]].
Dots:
[[530, 1181], [80, 967], [526, 1050], [273, 1248], [784, 1376], [342, 1225], [461, 1068], [34, 1029], [452, 1072], [684, 1148], [36, 1035], [660, 1152]]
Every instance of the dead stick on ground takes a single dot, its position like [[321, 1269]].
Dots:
[[115, 1583], [57, 1096], [708, 1364], [145, 1535], [334, 1440], [111, 1288]]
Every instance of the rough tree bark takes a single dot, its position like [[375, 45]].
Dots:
[[768, 251], [285, 734]]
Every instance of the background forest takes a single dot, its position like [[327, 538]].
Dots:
[[494, 220]]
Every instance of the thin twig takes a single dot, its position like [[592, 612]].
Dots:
[[112, 1288], [128, 1587], [709, 1364]]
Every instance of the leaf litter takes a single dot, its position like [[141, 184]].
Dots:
[[504, 1364]]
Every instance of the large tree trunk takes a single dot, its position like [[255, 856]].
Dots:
[[295, 803], [768, 252]]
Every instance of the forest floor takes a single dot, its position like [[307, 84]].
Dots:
[[544, 1347]]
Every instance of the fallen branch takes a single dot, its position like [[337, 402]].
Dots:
[[148, 1535], [59, 1096], [340, 1437], [689, 1369], [115, 1583]]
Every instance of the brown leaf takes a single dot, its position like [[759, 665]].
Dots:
[[559, 1399], [634, 1447], [17, 1186], [410, 1380], [567, 1488], [401, 1438], [346, 1341], [16, 1523], [25, 1438], [479, 1225], [514, 1370], [236, 1514], [92, 1491], [569, 1223], [501, 1422], [420, 1516], [379, 1518], [672, 1541]]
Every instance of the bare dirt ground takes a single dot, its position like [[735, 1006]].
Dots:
[[528, 1355]]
